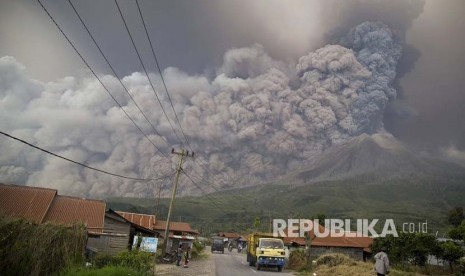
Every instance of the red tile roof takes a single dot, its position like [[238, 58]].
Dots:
[[70, 210], [144, 220], [26, 202]]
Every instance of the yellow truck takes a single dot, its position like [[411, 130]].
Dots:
[[264, 250]]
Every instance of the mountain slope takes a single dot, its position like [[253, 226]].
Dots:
[[378, 155], [368, 177]]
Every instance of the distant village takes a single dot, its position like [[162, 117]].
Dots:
[[113, 231]]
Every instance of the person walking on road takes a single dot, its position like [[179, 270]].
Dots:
[[382, 263]]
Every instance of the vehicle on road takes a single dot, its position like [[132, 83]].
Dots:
[[217, 244], [264, 250], [170, 257]]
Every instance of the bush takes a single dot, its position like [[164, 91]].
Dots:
[[102, 260], [461, 266], [297, 260], [334, 260], [39, 249], [138, 260], [105, 271], [197, 248]]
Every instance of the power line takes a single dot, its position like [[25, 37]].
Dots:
[[114, 71], [145, 70], [205, 194], [161, 75], [93, 72], [79, 163]]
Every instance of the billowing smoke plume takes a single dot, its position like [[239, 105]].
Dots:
[[256, 120]]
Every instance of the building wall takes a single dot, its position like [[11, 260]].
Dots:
[[115, 238]]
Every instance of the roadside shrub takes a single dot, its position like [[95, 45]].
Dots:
[[105, 271], [101, 260], [334, 260], [138, 260], [197, 248], [297, 260], [461, 266], [39, 249]]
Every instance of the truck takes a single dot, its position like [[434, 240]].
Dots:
[[264, 250], [217, 244]]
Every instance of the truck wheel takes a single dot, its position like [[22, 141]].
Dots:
[[258, 266], [280, 268]]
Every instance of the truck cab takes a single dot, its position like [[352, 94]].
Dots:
[[265, 251]]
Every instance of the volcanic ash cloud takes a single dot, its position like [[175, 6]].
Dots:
[[255, 120]]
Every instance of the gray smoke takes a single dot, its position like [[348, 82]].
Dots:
[[258, 117]]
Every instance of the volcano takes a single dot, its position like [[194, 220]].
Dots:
[[378, 156]]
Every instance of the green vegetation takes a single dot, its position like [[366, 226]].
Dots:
[[297, 260], [105, 271], [411, 250], [197, 250], [124, 263], [405, 200], [340, 264], [140, 261], [39, 249]]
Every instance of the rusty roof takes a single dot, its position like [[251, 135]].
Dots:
[[229, 235], [70, 210], [332, 241], [175, 226], [149, 221], [144, 220], [26, 202]]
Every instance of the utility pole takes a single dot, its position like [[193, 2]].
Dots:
[[157, 209], [182, 154]]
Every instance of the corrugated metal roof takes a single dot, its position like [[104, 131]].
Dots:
[[26, 202], [144, 220], [229, 235], [149, 221], [332, 241], [175, 226], [70, 210]]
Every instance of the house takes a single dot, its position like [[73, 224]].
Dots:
[[107, 231], [118, 234], [179, 232], [357, 248], [232, 238]]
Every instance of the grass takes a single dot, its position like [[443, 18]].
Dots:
[[104, 271], [340, 264]]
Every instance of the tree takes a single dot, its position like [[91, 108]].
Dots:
[[451, 252], [458, 233], [456, 216], [408, 247]]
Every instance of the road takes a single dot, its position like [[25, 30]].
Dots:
[[235, 264]]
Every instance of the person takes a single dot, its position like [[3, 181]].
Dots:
[[186, 249], [179, 255], [382, 263]]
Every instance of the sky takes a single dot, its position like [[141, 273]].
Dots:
[[259, 87]]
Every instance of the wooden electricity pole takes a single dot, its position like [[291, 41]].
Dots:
[[182, 154]]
